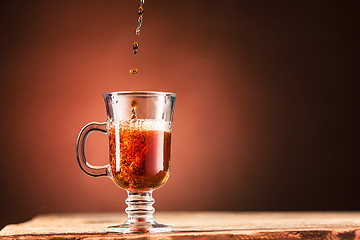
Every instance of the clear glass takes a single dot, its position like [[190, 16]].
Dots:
[[139, 129]]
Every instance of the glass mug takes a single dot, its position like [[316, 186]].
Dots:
[[139, 129]]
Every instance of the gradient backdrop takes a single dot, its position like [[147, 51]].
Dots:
[[265, 119]]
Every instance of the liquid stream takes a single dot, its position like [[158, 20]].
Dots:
[[137, 32]]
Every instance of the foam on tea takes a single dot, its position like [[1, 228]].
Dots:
[[140, 153]]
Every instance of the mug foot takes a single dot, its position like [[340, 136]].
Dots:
[[140, 227]]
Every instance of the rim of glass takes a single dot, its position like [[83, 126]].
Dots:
[[140, 93]]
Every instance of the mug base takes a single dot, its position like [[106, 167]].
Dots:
[[140, 227]]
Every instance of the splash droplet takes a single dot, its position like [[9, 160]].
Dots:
[[134, 103]]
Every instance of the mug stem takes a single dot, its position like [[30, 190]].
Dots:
[[140, 215], [140, 207]]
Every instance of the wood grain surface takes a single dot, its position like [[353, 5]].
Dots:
[[195, 225]]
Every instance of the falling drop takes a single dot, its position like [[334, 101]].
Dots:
[[135, 47], [141, 10], [134, 71]]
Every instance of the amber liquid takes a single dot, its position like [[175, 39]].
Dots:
[[141, 159]]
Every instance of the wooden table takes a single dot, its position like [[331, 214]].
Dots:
[[195, 225]]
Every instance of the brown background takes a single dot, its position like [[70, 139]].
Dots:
[[265, 117]]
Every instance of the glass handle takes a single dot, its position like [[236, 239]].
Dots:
[[94, 171]]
